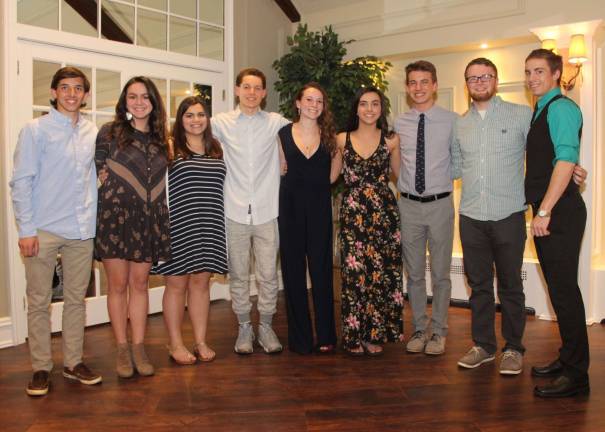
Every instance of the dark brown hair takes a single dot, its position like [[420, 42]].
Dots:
[[481, 61], [555, 61], [421, 65], [251, 71], [68, 72], [179, 137], [325, 120], [382, 124], [157, 118]]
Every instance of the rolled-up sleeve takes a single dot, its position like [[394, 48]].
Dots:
[[25, 171], [564, 122]]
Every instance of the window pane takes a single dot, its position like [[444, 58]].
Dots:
[[156, 4], [82, 20], [211, 42], [211, 11], [205, 91], [108, 90], [182, 36], [161, 85], [37, 114], [102, 119], [40, 13], [179, 90], [183, 7], [151, 29], [119, 24], [42, 76]]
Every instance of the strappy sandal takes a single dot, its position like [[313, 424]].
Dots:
[[366, 349], [171, 352], [198, 352]]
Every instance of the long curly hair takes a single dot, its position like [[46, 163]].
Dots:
[[179, 137], [157, 118], [325, 120], [382, 123]]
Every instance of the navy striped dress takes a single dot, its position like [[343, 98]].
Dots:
[[197, 217]]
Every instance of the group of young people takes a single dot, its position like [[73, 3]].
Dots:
[[214, 192]]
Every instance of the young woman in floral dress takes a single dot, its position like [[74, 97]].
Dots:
[[370, 239]]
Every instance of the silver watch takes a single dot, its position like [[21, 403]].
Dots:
[[543, 213]]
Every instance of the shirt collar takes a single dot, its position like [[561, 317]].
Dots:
[[240, 114], [62, 118], [548, 96], [429, 113], [494, 102]]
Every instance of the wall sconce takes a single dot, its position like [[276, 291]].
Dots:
[[577, 56]]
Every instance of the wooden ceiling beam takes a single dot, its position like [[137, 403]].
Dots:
[[289, 9]]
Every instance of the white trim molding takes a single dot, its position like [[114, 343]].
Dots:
[[6, 332]]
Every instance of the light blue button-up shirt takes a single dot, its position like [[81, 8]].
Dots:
[[53, 186]]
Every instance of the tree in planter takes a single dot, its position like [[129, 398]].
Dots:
[[318, 56]]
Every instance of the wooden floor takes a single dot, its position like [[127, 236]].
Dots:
[[290, 392]]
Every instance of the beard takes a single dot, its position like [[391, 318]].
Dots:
[[483, 96]]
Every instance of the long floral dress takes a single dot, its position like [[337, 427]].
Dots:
[[370, 244]]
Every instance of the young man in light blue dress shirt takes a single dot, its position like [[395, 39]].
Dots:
[[427, 208], [54, 194]]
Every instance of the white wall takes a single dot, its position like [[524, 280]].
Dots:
[[261, 29]]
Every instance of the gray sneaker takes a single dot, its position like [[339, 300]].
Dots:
[[417, 342], [476, 356], [268, 339], [511, 362], [436, 345], [245, 338]]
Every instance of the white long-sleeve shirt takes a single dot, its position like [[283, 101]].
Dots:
[[252, 159]]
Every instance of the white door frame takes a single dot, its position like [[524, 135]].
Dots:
[[15, 109]]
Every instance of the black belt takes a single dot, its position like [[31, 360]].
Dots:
[[427, 198]]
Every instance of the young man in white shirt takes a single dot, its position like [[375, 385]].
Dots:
[[249, 138]]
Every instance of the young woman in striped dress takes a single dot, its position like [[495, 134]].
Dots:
[[197, 228]]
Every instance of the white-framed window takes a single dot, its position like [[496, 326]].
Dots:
[[191, 27]]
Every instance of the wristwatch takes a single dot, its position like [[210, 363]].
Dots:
[[543, 213]]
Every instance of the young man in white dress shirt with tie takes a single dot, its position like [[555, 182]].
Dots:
[[249, 139]]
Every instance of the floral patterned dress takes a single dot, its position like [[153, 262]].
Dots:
[[370, 244]]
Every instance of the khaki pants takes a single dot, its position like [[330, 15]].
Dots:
[[264, 240], [76, 259]]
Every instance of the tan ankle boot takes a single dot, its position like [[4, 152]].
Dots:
[[124, 361], [141, 361]]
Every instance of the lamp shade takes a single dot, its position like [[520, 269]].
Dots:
[[577, 49], [550, 44]]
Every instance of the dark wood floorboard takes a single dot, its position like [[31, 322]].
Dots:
[[290, 392]]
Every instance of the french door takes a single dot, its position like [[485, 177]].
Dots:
[[37, 62]]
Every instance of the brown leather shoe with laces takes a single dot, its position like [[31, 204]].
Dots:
[[80, 372], [39, 384]]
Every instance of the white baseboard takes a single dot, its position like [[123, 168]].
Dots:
[[6, 332]]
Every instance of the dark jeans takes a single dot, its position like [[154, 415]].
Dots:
[[485, 243], [559, 254]]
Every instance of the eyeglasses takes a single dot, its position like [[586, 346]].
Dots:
[[483, 78]]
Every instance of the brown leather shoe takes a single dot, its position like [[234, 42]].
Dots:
[[39, 384], [81, 373]]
